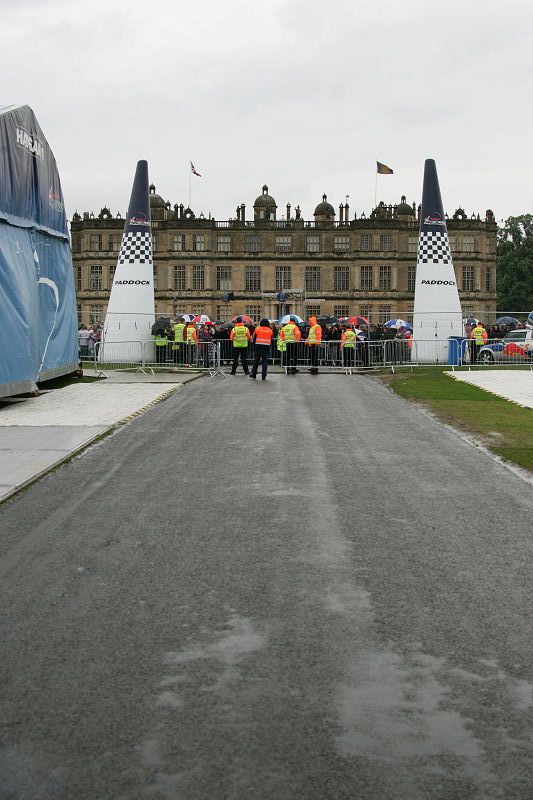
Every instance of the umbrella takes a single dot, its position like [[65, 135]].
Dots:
[[356, 320], [290, 318], [397, 324], [160, 325], [507, 321], [201, 319], [324, 319], [470, 321], [245, 318]]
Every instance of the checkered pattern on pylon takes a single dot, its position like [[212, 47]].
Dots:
[[136, 248], [434, 247]]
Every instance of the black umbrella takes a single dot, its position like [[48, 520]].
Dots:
[[507, 321], [160, 325]]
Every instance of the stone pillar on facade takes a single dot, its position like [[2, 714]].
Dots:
[[341, 213]]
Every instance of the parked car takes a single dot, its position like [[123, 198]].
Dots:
[[513, 348]]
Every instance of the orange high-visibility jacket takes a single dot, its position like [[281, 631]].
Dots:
[[296, 332], [315, 332], [263, 335], [191, 333]]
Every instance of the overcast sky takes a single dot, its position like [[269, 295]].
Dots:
[[303, 95]]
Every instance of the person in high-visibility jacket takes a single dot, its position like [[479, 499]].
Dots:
[[479, 336], [262, 340], [240, 336], [348, 347], [161, 346], [282, 349], [314, 337], [178, 346], [290, 333], [190, 340]]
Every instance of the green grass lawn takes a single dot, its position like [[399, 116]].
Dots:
[[502, 426]]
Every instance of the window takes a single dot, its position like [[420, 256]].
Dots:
[[468, 311], [111, 275], [385, 278], [154, 243], [385, 241], [198, 242], [412, 244], [312, 244], [198, 280], [224, 312], [178, 279], [488, 279], [366, 311], [254, 312], [411, 279], [76, 244], [179, 310], [224, 278], [224, 244], [341, 311], [79, 312], [283, 278], [384, 313], [453, 243], [198, 310], [252, 277], [312, 279], [366, 241], [283, 244], [155, 278], [312, 311], [79, 280], [341, 279], [179, 242], [367, 278], [468, 244], [252, 243], [114, 242], [96, 314], [95, 242], [96, 279], [341, 244], [468, 279]]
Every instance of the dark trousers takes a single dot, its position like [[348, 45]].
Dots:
[[161, 353], [239, 352], [178, 350], [261, 356], [313, 355], [474, 350], [348, 354], [292, 350]]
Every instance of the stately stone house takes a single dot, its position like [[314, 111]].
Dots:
[[266, 265]]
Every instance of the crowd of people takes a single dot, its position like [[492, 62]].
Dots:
[[188, 343]]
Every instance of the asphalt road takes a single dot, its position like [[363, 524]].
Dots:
[[303, 588]]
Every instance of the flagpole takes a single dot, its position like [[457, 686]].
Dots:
[[190, 171], [376, 188]]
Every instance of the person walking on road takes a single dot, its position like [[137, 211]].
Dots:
[[240, 336], [314, 338], [290, 333], [479, 336], [262, 340]]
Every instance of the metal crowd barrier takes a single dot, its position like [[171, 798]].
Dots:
[[216, 357]]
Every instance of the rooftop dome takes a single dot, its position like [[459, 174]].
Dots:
[[265, 199], [156, 201], [404, 208], [324, 209]]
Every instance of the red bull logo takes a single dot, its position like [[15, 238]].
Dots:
[[434, 219], [138, 219]]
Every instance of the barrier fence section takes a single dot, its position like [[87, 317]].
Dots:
[[328, 356]]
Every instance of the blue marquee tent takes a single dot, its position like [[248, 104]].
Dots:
[[38, 338]]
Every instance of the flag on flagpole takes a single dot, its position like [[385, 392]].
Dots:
[[383, 169], [194, 172]]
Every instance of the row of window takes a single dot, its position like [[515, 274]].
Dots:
[[313, 278], [225, 312], [198, 243]]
